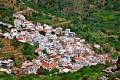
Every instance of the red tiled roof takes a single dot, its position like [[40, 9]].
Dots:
[[19, 38], [69, 41], [99, 57], [79, 58], [94, 54], [41, 30], [107, 57], [29, 65], [113, 61], [74, 53], [27, 61], [104, 60], [54, 55], [48, 29], [54, 64], [62, 57], [38, 50], [44, 64], [30, 21], [25, 21], [68, 67], [31, 25], [10, 61]]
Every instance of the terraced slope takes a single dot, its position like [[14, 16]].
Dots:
[[8, 50]]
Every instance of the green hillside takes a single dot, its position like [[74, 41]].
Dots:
[[98, 21]]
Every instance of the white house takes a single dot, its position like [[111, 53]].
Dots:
[[7, 63]]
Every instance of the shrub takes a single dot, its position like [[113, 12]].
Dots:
[[1, 45], [42, 71]]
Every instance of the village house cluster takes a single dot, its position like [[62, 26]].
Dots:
[[6, 64], [65, 50]]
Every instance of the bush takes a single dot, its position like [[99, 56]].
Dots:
[[119, 38], [28, 49], [42, 33], [54, 70], [115, 55], [106, 48], [30, 57], [103, 30], [16, 43], [18, 64], [12, 57], [1, 45], [42, 71], [111, 39]]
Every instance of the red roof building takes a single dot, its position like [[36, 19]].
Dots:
[[30, 21], [41, 30], [44, 64], [54, 56], [79, 58], [99, 57], [19, 38], [29, 65], [38, 50], [95, 55], [68, 67], [27, 61], [62, 57], [54, 64], [69, 41], [107, 57], [48, 29]]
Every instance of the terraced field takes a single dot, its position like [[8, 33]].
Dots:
[[8, 50]]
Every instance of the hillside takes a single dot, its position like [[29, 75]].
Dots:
[[8, 7], [96, 21]]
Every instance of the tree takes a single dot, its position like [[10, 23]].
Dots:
[[16, 43], [18, 64], [10, 18], [42, 32], [54, 71], [106, 48], [119, 38], [111, 38], [1, 45], [30, 57], [13, 57], [42, 71], [85, 77], [28, 49]]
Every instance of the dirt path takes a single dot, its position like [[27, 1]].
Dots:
[[59, 24]]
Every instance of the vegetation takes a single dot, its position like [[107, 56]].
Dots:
[[7, 8], [16, 43], [99, 51], [29, 50], [113, 76], [95, 20], [91, 73], [3, 28], [45, 52], [1, 44], [115, 55], [6, 15], [42, 71], [42, 33]]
